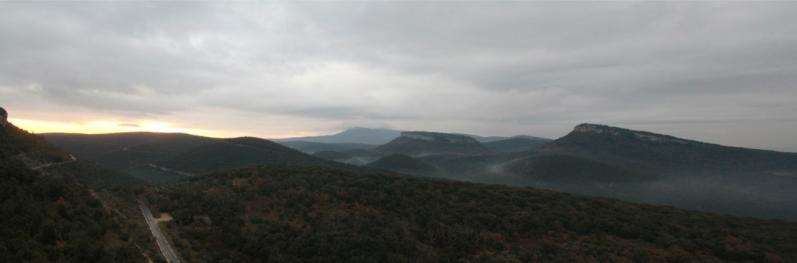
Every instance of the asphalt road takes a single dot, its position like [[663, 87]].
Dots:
[[166, 249]]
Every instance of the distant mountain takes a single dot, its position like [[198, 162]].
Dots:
[[649, 167], [299, 208], [619, 163], [648, 150], [167, 157], [432, 143], [515, 144], [366, 138], [356, 135], [350, 156]]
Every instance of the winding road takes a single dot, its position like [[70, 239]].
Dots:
[[166, 248]]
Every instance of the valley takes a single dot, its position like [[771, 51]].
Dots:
[[398, 131], [249, 198]]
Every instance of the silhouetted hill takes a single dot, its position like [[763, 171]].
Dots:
[[225, 154], [165, 157], [52, 217], [357, 135], [322, 214], [432, 143]]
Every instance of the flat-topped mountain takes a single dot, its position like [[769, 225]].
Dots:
[[651, 150], [656, 168], [418, 143]]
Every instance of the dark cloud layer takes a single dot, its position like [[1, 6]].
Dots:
[[718, 71]]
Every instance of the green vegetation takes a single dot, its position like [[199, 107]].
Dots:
[[323, 214], [163, 158], [50, 217], [657, 152], [631, 165], [430, 143]]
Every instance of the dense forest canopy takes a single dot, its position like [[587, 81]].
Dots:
[[321, 214], [53, 218]]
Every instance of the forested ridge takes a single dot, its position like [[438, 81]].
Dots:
[[307, 212], [53, 218]]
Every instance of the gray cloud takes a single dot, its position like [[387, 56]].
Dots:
[[715, 71]]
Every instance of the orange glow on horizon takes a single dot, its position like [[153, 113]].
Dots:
[[107, 126], [112, 126]]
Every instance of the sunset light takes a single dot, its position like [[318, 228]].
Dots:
[[109, 126]]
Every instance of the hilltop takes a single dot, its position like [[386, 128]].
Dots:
[[49, 214], [168, 157], [432, 143]]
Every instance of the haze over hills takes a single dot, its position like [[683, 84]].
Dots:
[[299, 208], [139, 116], [663, 169], [631, 165], [358, 135], [593, 159], [359, 138]]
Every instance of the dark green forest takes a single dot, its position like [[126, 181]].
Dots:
[[321, 214], [297, 208], [53, 218]]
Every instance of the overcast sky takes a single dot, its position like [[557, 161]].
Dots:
[[720, 72]]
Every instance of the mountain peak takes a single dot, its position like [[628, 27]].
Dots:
[[616, 131], [595, 128]]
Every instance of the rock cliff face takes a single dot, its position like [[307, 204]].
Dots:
[[3, 117], [614, 131]]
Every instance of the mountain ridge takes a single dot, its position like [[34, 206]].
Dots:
[[167, 157], [414, 143]]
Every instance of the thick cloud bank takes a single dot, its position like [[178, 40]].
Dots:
[[723, 72]]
